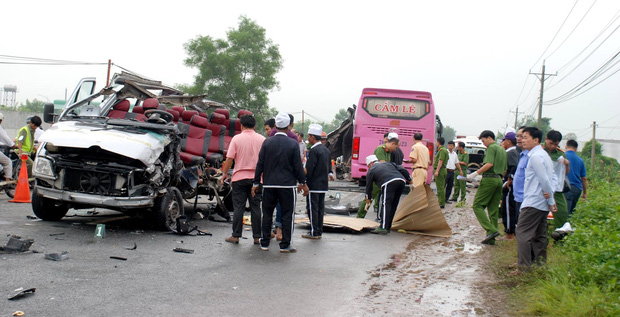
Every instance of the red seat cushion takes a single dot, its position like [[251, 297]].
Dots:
[[243, 112], [174, 113], [150, 103], [119, 110], [138, 109], [223, 111], [179, 109], [188, 114]]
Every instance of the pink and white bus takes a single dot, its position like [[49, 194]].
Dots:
[[389, 110]]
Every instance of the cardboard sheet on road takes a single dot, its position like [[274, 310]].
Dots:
[[357, 224], [419, 213]]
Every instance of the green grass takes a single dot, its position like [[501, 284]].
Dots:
[[582, 274]]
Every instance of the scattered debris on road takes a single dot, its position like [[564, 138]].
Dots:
[[16, 245], [57, 256], [118, 258], [181, 250], [21, 292], [135, 246]]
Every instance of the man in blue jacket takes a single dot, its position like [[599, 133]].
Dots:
[[318, 168], [279, 166]]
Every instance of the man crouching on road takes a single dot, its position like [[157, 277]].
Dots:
[[390, 178], [279, 165], [244, 149]]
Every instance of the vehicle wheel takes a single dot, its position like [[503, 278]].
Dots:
[[47, 209], [168, 208]]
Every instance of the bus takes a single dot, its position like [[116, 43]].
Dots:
[[389, 110]]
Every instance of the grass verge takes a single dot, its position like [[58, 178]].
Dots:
[[582, 274]]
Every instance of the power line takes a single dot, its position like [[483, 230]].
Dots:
[[556, 34], [571, 32]]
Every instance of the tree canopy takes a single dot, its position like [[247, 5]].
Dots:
[[239, 70]]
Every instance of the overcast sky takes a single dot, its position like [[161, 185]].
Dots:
[[473, 56]]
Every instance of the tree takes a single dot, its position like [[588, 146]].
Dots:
[[32, 106], [530, 121], [239, 70], [449, 133], [340, 116], [587, 148], [570, 136]]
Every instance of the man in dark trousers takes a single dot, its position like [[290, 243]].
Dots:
[[318, 168], [508, 208], [279, 166], [391, 179]]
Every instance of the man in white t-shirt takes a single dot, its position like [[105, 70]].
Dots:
[[451, 166]]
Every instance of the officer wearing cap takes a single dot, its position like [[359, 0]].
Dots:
[[25, 140], [489, 192], [280, 169], [391, 179], [318, 168], [440, 163]]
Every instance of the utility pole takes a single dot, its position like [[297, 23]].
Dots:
[[107, 81], [593, 147], [302, 122], [542, 88], [516, 115]]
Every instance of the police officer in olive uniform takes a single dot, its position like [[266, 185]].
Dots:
[[439, 164], [460, 185], [489, 192]]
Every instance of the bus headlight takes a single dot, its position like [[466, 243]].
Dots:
[[43, 168]]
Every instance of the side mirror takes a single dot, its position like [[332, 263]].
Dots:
[[48, 113]]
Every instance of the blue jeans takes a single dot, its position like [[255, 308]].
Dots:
[[571, 198]]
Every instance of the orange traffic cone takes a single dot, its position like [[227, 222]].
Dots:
[[22, 191]]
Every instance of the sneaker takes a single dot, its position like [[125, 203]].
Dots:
[[288, 249], [380, 230], [264, 248], [232, 239], [309, 236], [490, 237], [442, 206]]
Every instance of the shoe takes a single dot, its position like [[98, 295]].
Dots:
[[448, 202], [453, 199], [279, 234], [309, 236], [490, 242], [256, 240], [490, 237], [380, 230], [442, 206], [232, 239], [264, 248], [288, 249]]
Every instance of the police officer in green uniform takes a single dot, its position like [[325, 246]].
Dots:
[[552, 140], [489, 192], [439, 165], [460, 185], [25, 140], [383, 154]]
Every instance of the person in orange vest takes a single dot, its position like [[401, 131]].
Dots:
[[25, 140]]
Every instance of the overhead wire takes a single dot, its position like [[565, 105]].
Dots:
[[556, 34], [573, 30]]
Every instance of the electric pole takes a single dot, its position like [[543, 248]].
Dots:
[[542, 88], [593, 147], [516, 115], [302, 121]]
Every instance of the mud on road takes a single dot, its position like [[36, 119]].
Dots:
[[436, 276]]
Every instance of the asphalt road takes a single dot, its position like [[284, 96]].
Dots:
[[324, 277]]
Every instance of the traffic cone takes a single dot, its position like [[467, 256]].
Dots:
[[22, 191]]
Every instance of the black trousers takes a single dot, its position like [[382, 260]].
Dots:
[[449, 184], [241, 193], [508, 210], [389, 196], [531, 235], [287, 197], [316, 211]]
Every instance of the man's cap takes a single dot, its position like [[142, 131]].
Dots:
[[1, 116], [282, 120], [510, 136], [392, 135], [371, 158], [315, 129]]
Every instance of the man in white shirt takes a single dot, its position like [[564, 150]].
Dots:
[[451, 166], [538, 200]]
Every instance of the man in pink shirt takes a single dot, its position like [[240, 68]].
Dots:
[[244, 149]]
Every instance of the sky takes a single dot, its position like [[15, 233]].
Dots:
[[473, 56]]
